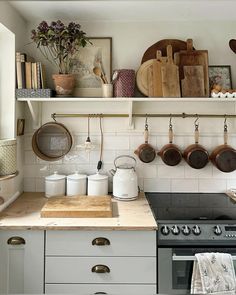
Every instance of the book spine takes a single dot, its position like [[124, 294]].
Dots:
[[18, 71], [28, 74], [22, 59], [38, 75], [34, 75]]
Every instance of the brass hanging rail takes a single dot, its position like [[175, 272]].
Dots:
[[180, 115]]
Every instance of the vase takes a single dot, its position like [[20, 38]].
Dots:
[[64, 84]]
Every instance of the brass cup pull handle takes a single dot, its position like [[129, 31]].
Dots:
[[101, 242], [99, 268], [100, 293], [16, 241]]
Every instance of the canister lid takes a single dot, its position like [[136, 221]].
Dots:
[[97, 177], [55, 176], [76, 176]]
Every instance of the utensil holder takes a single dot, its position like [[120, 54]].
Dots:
[[107, 90], [7, 156]]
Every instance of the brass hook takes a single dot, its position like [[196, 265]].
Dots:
[[146, 122], [225, 123], [196, 123], [53, 117]]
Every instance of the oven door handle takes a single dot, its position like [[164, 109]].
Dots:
[[189, 258]]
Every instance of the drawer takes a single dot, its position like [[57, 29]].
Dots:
[[114, 243], [73, 270], [89, 289]]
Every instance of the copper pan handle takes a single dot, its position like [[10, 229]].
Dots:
[[146, 135], [225, 136], [171, 135]]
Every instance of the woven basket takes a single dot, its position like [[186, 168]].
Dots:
[[7, 156], [124, 83]]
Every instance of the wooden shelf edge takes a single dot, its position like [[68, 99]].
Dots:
[[5, 177], [129, 99]]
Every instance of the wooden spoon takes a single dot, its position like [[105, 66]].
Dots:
[[98, 72]]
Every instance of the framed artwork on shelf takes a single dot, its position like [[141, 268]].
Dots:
[[220, 75], [97, 54]]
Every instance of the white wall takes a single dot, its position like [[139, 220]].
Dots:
[[13, 38], [130, 40]]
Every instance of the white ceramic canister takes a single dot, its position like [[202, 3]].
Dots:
[[76, 184], [55, 185], [97, 185]]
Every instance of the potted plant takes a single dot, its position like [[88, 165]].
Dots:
[[58, 43]]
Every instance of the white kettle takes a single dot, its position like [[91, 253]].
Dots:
[[125, 180]]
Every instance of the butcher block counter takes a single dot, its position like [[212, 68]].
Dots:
[[24, 214]]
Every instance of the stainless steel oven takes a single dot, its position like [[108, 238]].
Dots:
[[175, 267]]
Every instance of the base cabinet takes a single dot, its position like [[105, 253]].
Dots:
[[100, 262], [21, 262], [88, 289]]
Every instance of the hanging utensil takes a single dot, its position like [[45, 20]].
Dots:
[[87, 146], [98, 72], [145, 151], [170, 153], [196, 155], [224, 156]]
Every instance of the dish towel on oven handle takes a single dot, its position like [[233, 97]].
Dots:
[[213, 273]]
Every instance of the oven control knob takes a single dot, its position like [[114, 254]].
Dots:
[[165, 230], [217, 230], [175, 230], [186, 230], [196, 230]]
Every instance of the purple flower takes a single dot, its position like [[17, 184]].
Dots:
[[43, 27], [57, 26]]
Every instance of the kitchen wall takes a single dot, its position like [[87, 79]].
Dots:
[[13, 38], [130, 40]]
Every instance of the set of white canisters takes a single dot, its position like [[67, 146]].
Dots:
[[76, 184]]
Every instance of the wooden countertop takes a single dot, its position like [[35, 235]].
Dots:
[[24, 214]]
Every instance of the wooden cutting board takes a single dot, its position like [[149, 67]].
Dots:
[[144, 74], [78, 206], [176, 44], [170, 76], [192, 57], [193, 83], [156, 74]]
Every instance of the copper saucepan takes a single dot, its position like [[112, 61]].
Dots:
[[170, 153], [224, 156], [196, 155], [145, 151]]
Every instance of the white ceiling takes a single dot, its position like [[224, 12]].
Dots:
[[132, 10]]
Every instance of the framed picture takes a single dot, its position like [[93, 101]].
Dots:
[[220, 75], [96, 54]]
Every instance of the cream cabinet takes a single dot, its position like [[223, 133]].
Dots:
[[98, 262], [21, 262]]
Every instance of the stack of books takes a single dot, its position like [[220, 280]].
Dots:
[[30, 74]]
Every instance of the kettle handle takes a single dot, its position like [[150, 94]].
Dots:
[[125, 156]]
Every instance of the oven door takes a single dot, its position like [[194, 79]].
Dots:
[[175, 267]]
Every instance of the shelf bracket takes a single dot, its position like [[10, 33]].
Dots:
[[130, 112], [35, 108]]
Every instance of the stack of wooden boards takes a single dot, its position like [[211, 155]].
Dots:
[[29, 74], [186, 75]]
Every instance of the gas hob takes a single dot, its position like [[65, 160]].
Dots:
[[194, 219]]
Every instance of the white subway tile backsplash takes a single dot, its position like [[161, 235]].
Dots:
[[29, 184], [184, 185], [164, 171], [205, 172], [154, 176], [157, 185], [212, 185]]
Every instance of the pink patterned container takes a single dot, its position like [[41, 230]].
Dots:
[[124, 83]]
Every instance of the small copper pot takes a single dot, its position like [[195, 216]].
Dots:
[[145, 151], [196, 155], [170, 153], [224, 156]]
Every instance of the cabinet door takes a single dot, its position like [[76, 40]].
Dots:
[[21, 262]]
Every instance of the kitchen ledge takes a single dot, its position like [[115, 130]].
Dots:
[[24, 214]]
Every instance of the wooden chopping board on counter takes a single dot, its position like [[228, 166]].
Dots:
[[192, 57], [193, 83], [170, 76], [78, 206]]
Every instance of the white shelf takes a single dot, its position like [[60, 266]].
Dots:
[[129, 99]]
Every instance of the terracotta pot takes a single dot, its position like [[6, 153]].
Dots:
[[64, 84]]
